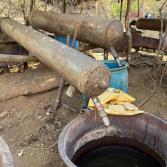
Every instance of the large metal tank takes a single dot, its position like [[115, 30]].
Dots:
[[97, 31], [143, 132]]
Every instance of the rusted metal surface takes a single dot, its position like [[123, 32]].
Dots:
[[151, 24], [144, 132], [97, 31], [84, 73], [138, 41]]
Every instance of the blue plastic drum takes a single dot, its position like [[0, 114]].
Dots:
[[63, 40], [119, 79]]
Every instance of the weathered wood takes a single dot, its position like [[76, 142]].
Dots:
[[30, 82], [8, 58]]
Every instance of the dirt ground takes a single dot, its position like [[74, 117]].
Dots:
[[21, 120]]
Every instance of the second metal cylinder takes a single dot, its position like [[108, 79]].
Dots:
[[97, 31]]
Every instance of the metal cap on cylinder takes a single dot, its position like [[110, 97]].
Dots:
[[95, 79]]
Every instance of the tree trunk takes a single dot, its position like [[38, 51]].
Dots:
[[30, 82]]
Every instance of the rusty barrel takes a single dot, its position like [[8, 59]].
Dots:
[[93, 30], [84, 73], [151, 24], [143, 132]]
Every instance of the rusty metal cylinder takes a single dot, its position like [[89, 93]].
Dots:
[[84, 73], [143, 132], [96, 31], [151, 24]]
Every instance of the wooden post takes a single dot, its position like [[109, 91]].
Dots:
[[64, 6], [121, 5], [96, 7], [138, 5], [128, 33]]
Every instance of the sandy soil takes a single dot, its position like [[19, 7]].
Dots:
[[21, 120]]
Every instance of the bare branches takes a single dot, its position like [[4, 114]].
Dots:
[[10, 8], [19, 9], [153, 91]]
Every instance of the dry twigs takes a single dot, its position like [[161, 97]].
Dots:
[[153, 92]]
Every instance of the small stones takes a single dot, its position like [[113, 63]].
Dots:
[[29, 140], [58, 122], [20, 153], [49, 127], [3, 114]]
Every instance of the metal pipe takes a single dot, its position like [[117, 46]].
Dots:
[[101, 111], [115, 56], [86, 74], [97, 31]]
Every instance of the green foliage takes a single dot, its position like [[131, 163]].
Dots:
[[116, 8], [113, 7]]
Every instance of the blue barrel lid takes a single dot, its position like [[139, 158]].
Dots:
[[113, 66]]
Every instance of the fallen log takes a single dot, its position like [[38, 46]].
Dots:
[[8, 58], [30, 82]]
